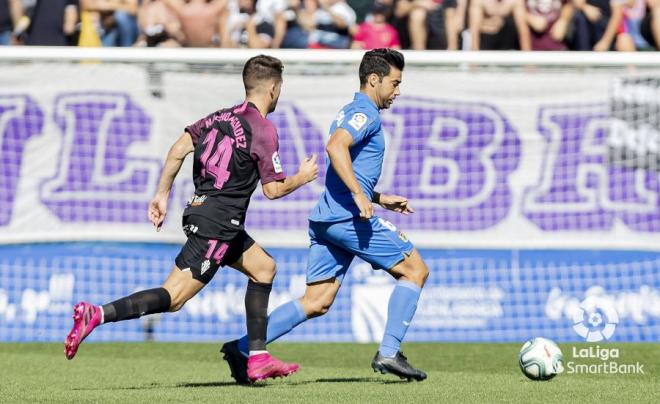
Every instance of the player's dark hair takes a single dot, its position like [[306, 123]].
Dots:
[[379, 62], [261, 68]]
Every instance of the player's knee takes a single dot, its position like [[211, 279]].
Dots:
[[267, 272], [416, 273]]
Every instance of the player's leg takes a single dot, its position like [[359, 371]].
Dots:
[[379, 243], [188, 276], [411, 274], [177, 289], [327, 266], [259, 266]]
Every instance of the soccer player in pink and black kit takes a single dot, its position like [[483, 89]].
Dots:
[[233, 149]]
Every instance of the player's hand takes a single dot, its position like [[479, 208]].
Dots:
[[364, 204], [158, 210], [396, 203], [308, 169]]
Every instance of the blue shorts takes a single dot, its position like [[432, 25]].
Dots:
[[335, 244]]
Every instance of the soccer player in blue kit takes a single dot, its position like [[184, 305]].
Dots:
[[342, 225]]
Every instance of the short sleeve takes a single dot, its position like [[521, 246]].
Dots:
[[195, 130], [264, 152], [357, 123]]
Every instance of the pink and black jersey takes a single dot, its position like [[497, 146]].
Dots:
[[234, 148]]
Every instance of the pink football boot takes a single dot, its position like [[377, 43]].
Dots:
[[264, 366], [86, 317]]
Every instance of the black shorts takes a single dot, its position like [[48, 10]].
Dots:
[[203, 256]]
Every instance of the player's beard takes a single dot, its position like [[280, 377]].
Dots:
[[386, 103]]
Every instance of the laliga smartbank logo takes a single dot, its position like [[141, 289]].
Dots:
[[595, 321]]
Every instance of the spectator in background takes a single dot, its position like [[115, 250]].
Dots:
[[117, 20], [243, 26], [599, 25], [651, 24], [200, 20], [159, 26], [10, 12], [53, 23], [548, 21], [633, 15], [332, 19], [375, 32], [428, 24], [362, 8], [499, 25], [299, 23], [589, 23], [271, 14]]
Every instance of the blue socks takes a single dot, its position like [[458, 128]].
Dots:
[[281, 321], [400, 311]]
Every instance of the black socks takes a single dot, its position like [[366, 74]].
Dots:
[[256, 313], [138, 304]]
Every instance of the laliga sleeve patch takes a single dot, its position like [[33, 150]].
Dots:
[[358, 121], [277, 165], [340, 117]]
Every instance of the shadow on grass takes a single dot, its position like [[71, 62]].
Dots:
[[153, 386], [376, 380], [219, 384]]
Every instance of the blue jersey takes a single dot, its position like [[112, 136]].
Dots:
[[362, 120]]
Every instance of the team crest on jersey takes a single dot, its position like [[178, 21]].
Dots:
[[277, 165], [190, 229], [340, 117], [205, 266], [358, 120]]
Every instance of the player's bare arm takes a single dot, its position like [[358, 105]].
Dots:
[[308, 171], [340, 158], [178, 152]]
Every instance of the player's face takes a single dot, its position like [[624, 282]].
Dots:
[[389, 88], [275, 96]]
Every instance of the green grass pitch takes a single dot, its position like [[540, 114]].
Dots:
[[193, 372]]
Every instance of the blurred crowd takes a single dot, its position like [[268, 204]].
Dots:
[[599, 25]]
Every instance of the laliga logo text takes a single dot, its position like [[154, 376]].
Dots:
[[596, 319]]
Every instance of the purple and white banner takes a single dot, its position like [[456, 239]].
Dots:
[[512, 160]]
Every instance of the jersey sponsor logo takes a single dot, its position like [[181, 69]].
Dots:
[[340, 117], [277, 165], [197, 200], [358, 120], [205, 266]]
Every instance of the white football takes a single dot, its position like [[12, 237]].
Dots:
[[540, 359]]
